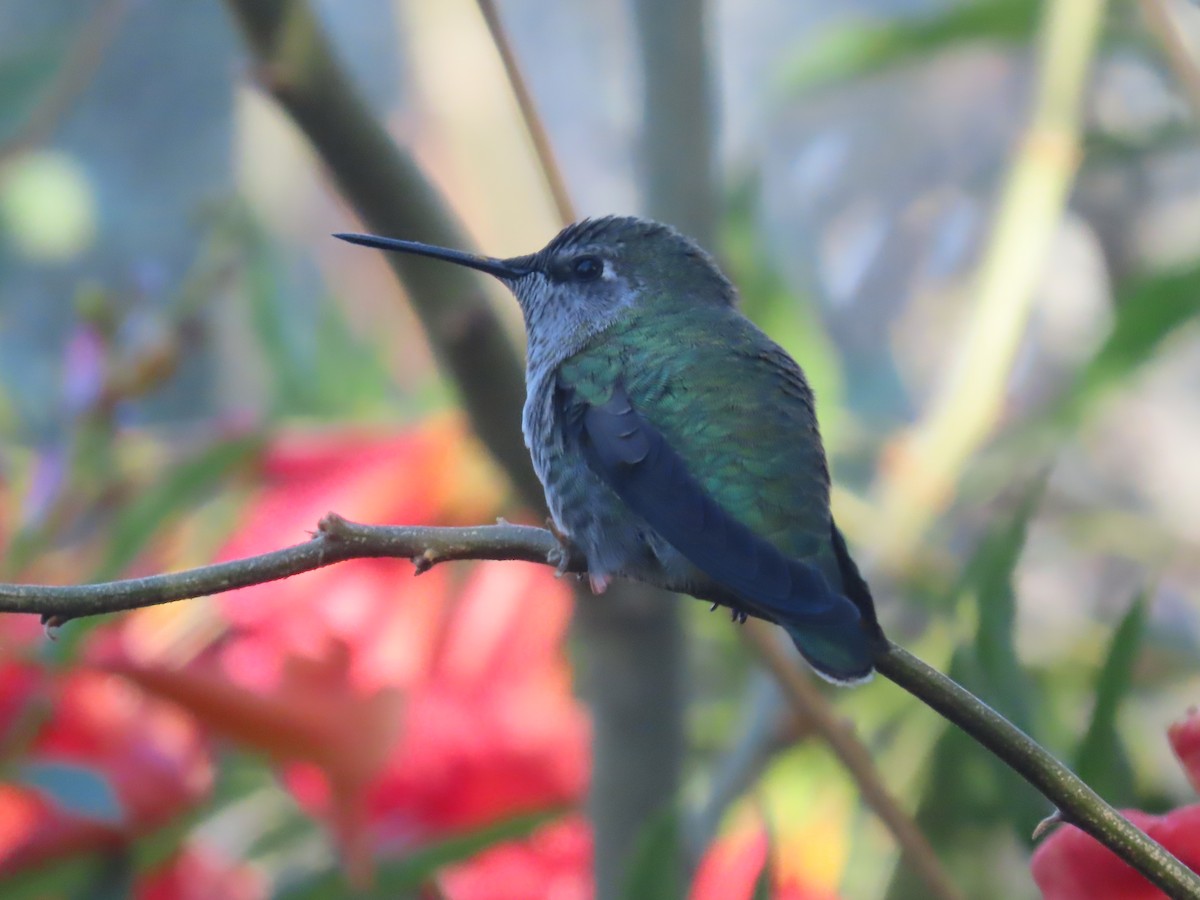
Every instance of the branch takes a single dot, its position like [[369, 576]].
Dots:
[[1076, 803], [766, 726], [678, 179], [337, 540], [387, 189], [556, 184]]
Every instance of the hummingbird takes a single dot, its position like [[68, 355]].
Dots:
[[678, 444]]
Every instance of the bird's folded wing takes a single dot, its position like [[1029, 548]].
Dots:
[[636, 461]]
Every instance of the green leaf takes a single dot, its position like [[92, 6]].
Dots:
[[77, 790], [113, 879], [180, 490], [396, 876], [350, 376], [1148, 312], [284, 322], [243, 775], [995, 672], [988, 578], [792, 319], [969, 790], [654, 870], [59, 878], [319, 366], [762, 884], [1101, 761], [858, 50], [1102, 149]]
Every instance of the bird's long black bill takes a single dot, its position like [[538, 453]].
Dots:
[[502, 269]]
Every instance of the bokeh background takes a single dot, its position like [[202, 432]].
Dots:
[[976, 225]]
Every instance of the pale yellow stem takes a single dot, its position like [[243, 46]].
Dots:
[[922, 476]]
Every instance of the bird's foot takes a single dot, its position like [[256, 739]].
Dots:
[[561, 556], [735, 614], [566, 557]]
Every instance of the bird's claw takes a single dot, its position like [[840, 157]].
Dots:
[[560, 556], [735, 615], [565, 553]]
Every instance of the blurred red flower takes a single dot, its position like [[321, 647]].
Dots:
[[399, 710], [1185, 741], [556, 862], [197, 873], [150, 754], [1072, 865], [734, 863]]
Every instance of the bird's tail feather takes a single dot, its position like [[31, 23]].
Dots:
[[841, 648]]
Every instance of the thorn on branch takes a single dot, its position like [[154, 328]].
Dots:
[[333, 526], [424, 561], [1055, 818], [52, 624]]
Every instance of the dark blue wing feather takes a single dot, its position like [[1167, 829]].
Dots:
[[635, 460]]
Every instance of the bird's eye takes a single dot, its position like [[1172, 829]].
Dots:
[[587, 268]]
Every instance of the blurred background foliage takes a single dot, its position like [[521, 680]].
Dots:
[[190, 369]]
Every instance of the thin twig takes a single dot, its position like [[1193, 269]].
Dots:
[[1159, 21], [338, 540], [807, 699], [768, 724], [1076, 803], [551, 170], [87, 50]]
